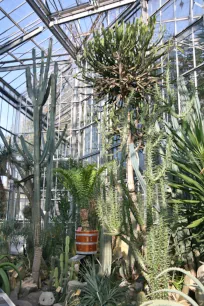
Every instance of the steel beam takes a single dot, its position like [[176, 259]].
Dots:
[[14, 43], [30, 59], [21, 67], [126, 14], [13, 97], [56, 31], [18, 101], [85, 10]]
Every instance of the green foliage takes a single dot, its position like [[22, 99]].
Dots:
[[109, 211], [100, 290], [123, 59], [5, 155], [80, 182], [61, 220], [157, 162]]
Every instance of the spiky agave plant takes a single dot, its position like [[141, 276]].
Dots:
[[100, 290]]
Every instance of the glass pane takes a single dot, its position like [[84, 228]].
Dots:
[[182, 8], [185, 58], [168, 12]]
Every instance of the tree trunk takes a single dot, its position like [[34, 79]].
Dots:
[[36, 263], [130, 171], [132, 192], [105, 252], [3, 200]]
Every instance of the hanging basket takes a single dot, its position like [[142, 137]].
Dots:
[[86, 242]]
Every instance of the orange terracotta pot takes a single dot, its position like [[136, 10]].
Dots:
[[86, 242]]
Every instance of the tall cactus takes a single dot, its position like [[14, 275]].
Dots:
[[38, 92]]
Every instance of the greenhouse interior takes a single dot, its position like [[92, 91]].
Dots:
[[102, 152]]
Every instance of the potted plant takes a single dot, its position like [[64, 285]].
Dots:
[[81, 182]]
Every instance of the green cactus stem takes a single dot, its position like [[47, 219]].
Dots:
[[67, 241], [61, 267], [56, 275]]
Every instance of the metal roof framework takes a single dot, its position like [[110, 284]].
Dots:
[[28, 24]]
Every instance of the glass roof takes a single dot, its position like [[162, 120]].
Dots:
[[17, 18]]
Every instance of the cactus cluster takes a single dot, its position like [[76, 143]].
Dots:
[[60, 269]]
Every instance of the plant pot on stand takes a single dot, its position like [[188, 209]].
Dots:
[[86, 239]]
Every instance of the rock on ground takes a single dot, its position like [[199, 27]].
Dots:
[[22, 303], [46, 299]]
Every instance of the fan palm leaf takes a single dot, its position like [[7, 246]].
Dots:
[[80, 182]]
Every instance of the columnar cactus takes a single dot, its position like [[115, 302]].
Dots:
[[67, 241], [38, 91]]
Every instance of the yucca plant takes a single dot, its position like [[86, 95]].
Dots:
[[188, 173]]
